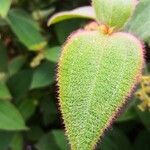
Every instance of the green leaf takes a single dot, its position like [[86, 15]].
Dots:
[[63, 29], [5, 139], [81, 12], [52, 54], [115, 140], [4, 7], [10, 117], [26, 29], [23, 81], [140, 22], [60, 139], [144, 116], [3, 59], [27, 108], [48, 110], [43, 75], [3, 22], [4, 91], [96, 72], [129, 113], [35, 133], [41, 14], [17, 142], [15, 65], [53, 140], [142, 141], [114, 13]]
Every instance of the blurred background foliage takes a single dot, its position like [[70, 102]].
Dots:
[[29, 112]]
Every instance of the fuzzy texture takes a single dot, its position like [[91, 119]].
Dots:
[[114, 13], [96, 73]]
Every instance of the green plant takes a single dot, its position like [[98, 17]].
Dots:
[[96, 73], [29, 55]]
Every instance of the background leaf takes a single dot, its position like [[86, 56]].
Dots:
[[4, 91], [23, 81], [115, 140], [16, 64], [4, 7], [26, 29], [140, 22], [3, 58], [142, 141], [129, 112], [35, 133], [43, 75], [65, 28], [10, 117], [27, 107], [5, 139], [49, 111], [52, 54], [145, 117], [17, 142], [82, 12], [53, 140]]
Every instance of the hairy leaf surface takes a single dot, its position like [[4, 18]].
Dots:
[[96, 73]]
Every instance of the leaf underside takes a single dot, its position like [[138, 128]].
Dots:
[[81, 12], [95, 74]]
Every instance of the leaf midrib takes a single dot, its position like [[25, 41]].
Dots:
[[92, 91]]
